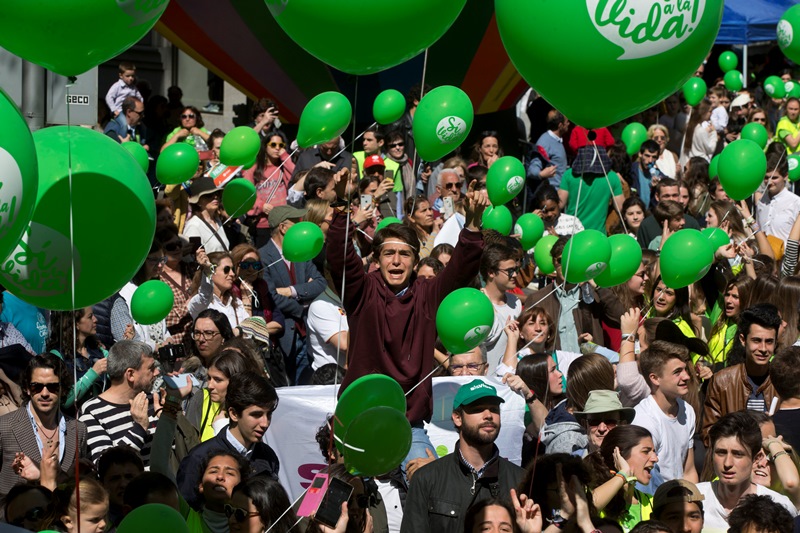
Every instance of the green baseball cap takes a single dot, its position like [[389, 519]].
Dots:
[[473, 391]]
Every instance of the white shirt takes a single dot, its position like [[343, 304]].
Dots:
[[206, 299], [776, 214], [496, 342], [326, 318], [673, 437], [195, 227], [716, 519]]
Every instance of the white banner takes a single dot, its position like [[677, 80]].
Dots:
[[302, 410]]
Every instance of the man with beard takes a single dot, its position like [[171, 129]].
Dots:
[[443, 490]]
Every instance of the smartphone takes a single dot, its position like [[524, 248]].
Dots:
[[196, 243], [168, 355], [330, 508], [176, 382], [388, 174], [366, 201], [314, 494], [449, 207]]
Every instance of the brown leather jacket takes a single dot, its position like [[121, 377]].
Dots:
[[727, 392]]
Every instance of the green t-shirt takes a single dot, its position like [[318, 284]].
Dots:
[[594, 198]]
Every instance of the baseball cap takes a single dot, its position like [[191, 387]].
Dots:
[[741, 100], [473, 391], [373, 161], [676, 491], [282, 213]]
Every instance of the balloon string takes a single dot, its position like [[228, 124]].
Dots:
[[414, 168], [574, 222], [353, 142], [610, 189]]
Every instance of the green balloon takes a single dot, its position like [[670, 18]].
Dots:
[[139, 153], [386, 222], [625, 260], [713, 167], [239, 146], [685, 257], [788, 27], [442, 121], [586, 255], [792, 89], [389, 106], [541, 254], [633, 136], [151, 302], [728, 61], [505, 179], [324, 118], [177, 163], [302, 242], [304, 22], [794, 167], [742, 166], [372, 390], [606, 42], [113, 219], [774, 87], [65, 37], [694, 90], [498, 218], [530, 228], [733, 80], [19, 179], [238, 197], [756, 133], [153, 518], [464, 319], [377, 441], [716, 237]]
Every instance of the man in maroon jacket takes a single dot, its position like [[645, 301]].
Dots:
[[392, 312]]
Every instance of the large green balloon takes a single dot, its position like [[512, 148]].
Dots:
[[788, 27], [464, 319], [177, 163], [733, 80], [302, 242], [386, 222], [530, 228], [498, 218], [728, 61], [662, 42], [742, 166], [70, 37], [323, 119], [713, 167], [373, 390], [153, 518], [756, 133], [792, 89], [505, 179], [113, 219], [794, 167], [139, 153], [151, 302], [238, 197], [625, 260], [716, 237], [239, 146], [633, 136], [377, 441], [694, 90], [310, 22], [774, 87], [442, 121], [685, 257], [541, 254], [388, 106], [19, 180], [586, 255]]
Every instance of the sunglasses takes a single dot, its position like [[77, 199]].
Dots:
[[226, 269], [277, 145], [659, 138], [157, 260], [248, 265], [397, 145], [611, 423], [509, 271], [36, 388], [760, 120], [188, 116], [238, 514], [456, 185]]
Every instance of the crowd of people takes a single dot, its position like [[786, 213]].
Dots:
[[648, 408]]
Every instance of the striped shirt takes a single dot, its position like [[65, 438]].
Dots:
[[110, 424]]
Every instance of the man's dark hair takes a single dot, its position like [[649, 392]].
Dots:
[[491, 258], [118, 455], [129, 104], [554, 120], [262, 106], [764, 315], [738, 424], [663, 184], [325, 439], [651, 526], [245, 390], [415, 93], [142, 487], [558, 247], [649, 146], [667, 210], [477, 173], [327, 375], [784, 372], [317, 178], [53, 362], [396, 231], [760, 513], [375, 130], [779, 164]]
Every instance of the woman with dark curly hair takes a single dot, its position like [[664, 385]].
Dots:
[[190, 130]]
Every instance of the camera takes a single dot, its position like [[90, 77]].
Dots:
[[168, 355]]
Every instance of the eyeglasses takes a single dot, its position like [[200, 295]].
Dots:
[[157, 260], [248, 265], [36, 388], [277, 145], [610, 423], [397, 145], [472, 367], [454, 185], [238, 514], [32, 515], [509, 271], [204, 335], [188, 115], [173, 246]]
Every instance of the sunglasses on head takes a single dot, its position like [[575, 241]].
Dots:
[[277, 145], [238, 514], [248, 265], [36, 388], [188, 115]]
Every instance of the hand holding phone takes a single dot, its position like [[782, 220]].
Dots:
[[330, 508]]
